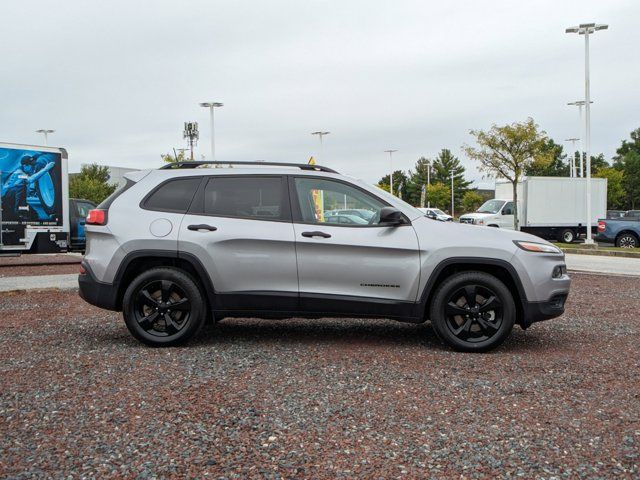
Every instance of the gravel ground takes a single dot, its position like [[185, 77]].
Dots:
[[39, 259], [320, 398]]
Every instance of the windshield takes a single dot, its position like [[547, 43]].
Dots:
[[438, 211], [491, 206]]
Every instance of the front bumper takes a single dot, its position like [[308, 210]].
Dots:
[[538, 311], [103, 295]]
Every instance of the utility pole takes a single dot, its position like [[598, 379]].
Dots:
[[390, 152], [572, 161], [211, 106], [580, 104], [587, 29], [192, 134], [46, 132]]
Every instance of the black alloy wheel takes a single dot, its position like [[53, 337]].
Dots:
[[472, 311], [163, 307]]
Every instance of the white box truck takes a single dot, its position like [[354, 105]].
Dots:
[[34, 199], [554, 208]]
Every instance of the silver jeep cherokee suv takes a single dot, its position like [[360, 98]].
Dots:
[[182, 244]]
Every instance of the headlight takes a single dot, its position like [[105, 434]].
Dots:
[[537, 247]]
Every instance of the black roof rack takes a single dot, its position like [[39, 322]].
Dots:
[[194, 164]]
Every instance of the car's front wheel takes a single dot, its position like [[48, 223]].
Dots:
[[163, 307], [473, 311]]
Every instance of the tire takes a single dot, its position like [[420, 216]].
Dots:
[[567, 236], [472, 329], [163, 307], [493, 226], [627, 240]]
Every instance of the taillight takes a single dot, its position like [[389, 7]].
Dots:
[[96, 217], [602, 226]]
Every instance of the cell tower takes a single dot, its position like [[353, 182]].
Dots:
[[191, 132]]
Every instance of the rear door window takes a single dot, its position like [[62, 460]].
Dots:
[[252, 197]]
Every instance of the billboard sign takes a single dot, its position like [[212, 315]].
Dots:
[[30, 189]]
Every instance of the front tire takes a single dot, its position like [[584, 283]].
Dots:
[[163, 307], [473, 312]]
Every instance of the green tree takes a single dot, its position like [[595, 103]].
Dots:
[[439, 196], [626, 148], [417, 180], [92, 183], [507, 151], [471, 200], [616, 195], [551, 164], [443, 164], [180, 156], [631, 178], [598, 163], [400, 181]]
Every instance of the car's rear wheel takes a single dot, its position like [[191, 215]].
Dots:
[[627, 240], [473, 312], [163, 307]]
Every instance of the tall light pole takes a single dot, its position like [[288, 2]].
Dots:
[[572, 163], [211, 106], [587, 29], [390, 152], [320, 134], [452, 204], [46, 133], [580, 104]]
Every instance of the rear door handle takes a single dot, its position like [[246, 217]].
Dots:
[[202, 226], [316, 234]]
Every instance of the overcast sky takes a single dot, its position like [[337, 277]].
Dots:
[[117, 79]]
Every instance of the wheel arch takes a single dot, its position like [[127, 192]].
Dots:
[[135, 262], [500, 269], [627, 231]]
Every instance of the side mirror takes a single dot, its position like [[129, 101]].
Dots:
[[390, 216]]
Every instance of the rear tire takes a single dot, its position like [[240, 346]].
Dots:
[[473, 312], [567, 236], [627, 240], [163, 307]]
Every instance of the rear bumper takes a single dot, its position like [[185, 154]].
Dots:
[[539, 311], [602, 238], [103, 295]]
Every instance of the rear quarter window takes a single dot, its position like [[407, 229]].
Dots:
[[173, 195]]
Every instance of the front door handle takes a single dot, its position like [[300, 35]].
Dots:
[[202, 226], [316, 234]]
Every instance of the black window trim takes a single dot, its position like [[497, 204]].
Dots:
[[197, 204], [143, 202], [297, 214]]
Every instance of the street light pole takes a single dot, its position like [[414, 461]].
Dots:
[[428, 183], [452, 203], [320, 134], [390, 152], [211, 106], [580, 104], [572, 164], [46, 133], [587, 29]]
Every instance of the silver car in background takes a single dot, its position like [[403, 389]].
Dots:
[[183, 244]]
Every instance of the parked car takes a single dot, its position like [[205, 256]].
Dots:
[[78, 211], [178, 245], [623, 232], [346, 219], [360, 212], [436, 214], [492, 213]]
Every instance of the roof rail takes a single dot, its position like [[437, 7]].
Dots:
[[194, 164]]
